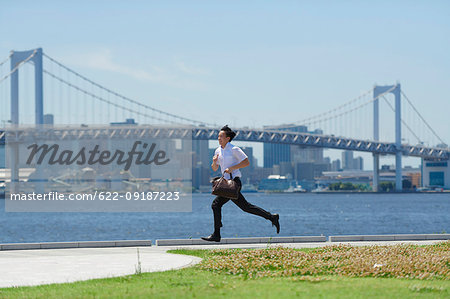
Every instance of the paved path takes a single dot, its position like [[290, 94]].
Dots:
[[45, 266]]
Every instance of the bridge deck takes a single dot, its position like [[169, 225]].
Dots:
[[203, 133]]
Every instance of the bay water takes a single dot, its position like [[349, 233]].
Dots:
[[301, 214]]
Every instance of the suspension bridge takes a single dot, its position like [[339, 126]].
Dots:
[[79, 108]]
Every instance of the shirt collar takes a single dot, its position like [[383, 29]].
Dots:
[[228, 146]]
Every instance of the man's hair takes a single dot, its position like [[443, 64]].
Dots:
[[230, 133]]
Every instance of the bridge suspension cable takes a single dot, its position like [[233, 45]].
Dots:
[[318, 117], [101, 98], [422, 118], [402, 120], [338, 112], [17, 66], [177, 117], [5, 61]]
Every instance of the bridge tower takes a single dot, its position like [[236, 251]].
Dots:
[[396, 91], [16, 58]]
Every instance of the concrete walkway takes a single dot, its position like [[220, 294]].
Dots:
[[46, 266]]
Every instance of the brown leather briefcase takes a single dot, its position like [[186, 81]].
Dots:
[[225, 188]]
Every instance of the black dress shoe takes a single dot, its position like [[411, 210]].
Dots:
[[275, 222], [212, 238]]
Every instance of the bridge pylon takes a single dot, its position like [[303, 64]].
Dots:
[[16, 58], [396, 91]]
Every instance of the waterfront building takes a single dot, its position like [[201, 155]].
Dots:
[[436, 174], [275, 183], [365, 177]]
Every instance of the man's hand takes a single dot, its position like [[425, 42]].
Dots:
[[228, 170], [214, 165]]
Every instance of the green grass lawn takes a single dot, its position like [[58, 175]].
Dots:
[[207, 281]]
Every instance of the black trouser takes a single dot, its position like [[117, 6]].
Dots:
[[241, 202]]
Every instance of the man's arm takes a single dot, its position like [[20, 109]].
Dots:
[[242, 164]]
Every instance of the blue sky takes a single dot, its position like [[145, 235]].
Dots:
[[246, 63]]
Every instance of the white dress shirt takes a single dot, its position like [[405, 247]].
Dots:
[[229, 156]]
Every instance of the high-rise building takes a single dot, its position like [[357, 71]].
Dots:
[[287, 169], [304, 154], [48, 119], [248, 150], [304, 171], [2, 155], [201, 162], [347, 160], [201, 150], [350, 163], [359, 163], [309, 170], [336, 165], [248, 171], [274, 154]]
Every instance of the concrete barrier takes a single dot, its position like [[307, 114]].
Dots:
[[405, 237], [252, 240], [77, 244]]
